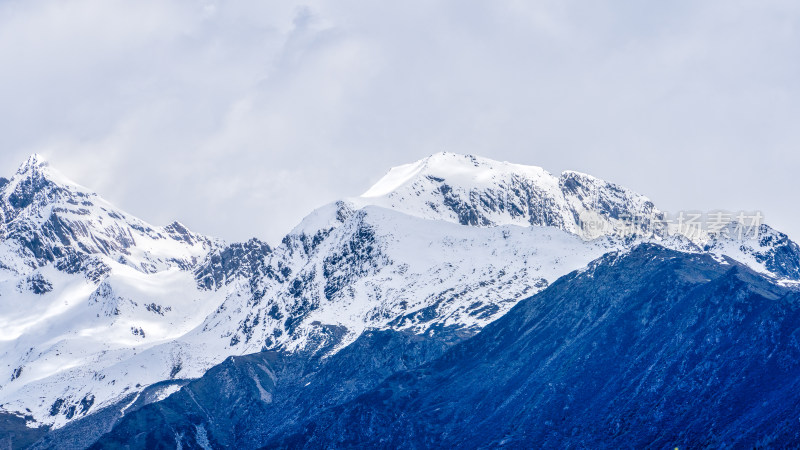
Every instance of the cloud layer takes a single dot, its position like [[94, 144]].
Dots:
[[238, 118]]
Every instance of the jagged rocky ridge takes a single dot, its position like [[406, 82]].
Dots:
[[441, 250]]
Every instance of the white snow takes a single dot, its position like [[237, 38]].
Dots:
[[420, 190]]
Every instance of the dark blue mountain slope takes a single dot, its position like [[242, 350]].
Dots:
[[247, 400], [653, 348]]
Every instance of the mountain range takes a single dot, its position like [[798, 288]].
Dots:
[[460, 301]]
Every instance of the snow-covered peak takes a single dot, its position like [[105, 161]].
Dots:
[[34, 180], [34, 161], [45, 217], [83, 286], [454, 168], [38, 167], [477, 191], [762, 248]]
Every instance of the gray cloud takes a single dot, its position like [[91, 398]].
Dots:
[[240, 117]]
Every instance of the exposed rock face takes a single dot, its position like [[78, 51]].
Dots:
[[222, 266]]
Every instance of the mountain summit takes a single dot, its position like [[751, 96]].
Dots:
[[477, 191], [51, 218]]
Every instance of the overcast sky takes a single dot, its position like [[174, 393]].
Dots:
[[240, 117]]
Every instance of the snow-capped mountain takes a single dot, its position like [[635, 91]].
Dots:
[[83, 286], [96, 305], [46, 218], [348, 270], [765, 250], [481, 192]]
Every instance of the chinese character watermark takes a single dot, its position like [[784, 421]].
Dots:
[[694, 225]]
